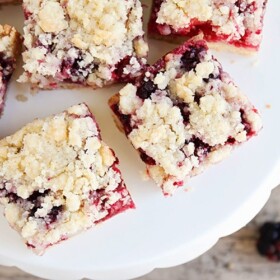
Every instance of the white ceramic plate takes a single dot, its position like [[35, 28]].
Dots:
[[162, 231]]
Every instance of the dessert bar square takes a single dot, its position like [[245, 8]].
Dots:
[[10, 45], [184, 114], [230, 24], [58, 178], [92, 43]]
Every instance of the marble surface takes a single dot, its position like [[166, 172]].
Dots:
[[232, 258]]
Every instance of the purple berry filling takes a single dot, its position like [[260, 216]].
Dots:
[[7, 67], [125, 119], [192, 57], [145, 158], [53, 214], [184, 111], [146, 89]]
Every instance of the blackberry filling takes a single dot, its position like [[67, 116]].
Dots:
[[124, 119], [145, 158], [192, 57], [12, 197], [184, 112], [247, 126], [231, 141], [212, 77], [120, 66], [36, 199], [96, 195], [197, 97], [7, 65], [201, 149], [146, 89], [53, 214]]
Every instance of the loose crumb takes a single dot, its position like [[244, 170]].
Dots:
[[268, 106], [144, 175]]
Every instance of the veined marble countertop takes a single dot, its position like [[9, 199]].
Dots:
[[233, 258]]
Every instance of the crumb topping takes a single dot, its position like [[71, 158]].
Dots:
[[179, 13], [58, 173], [51, 17]]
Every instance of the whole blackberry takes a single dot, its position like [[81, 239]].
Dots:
[[268, 244], [146, 89]]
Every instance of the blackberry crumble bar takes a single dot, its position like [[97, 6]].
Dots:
[[58, 178], [184, 114], [232, 24], [92, 43], [10, 45]]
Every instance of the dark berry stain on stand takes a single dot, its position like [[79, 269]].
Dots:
[[268, 244], [146, 89], [192, 57]]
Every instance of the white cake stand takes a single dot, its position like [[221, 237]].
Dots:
[[162, 232]]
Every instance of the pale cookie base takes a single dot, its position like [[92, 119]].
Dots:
[[218, 46]]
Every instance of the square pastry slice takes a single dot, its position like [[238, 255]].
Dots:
[[231, 24], [10, 45], [58, 178], [72, 43], [184, 114]]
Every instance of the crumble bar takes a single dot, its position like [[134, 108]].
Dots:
[[10, 45], [232, 24], [184, 114], [58, 178], [72, 43]]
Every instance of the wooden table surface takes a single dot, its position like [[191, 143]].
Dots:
[[233, 258]]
